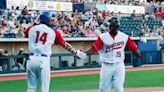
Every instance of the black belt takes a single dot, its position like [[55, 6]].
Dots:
[[44, 55]]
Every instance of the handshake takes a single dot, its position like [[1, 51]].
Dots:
[[80, 54]]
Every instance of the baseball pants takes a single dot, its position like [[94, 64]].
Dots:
[[38, 70], [112, 73]]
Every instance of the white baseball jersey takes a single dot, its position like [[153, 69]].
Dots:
[[41, 39], [113, 49]]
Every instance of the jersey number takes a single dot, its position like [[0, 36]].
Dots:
[[118, 54], [42, 38]]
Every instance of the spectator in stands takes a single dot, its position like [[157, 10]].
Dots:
[[160, 29], [152, 16], [133, 15], [87, 24], [4, 19], [155, 31], [84, 17], [161, 32], [24, 24], [12, 12], [151, 7], [20, 62], [59, 29], [17, 11], [158, 14], [4, 63], [20, 33], [157, 6], [161, 36], [97, 31], [24, 11], [146, 30], [94, 22], [141, 29], [104, 14], [11, 22], [5, 30], [76, 24], [90, 32]]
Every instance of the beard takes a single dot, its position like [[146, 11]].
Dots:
[[113, 28]]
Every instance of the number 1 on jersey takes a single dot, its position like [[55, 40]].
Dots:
[[118, 54], [42, 38]]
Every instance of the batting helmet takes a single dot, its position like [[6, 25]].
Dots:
[[45, 17], [113, 24], [114, 21]]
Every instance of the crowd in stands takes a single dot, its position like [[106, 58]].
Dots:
[[4, 63], [17, 64], [90, 23]]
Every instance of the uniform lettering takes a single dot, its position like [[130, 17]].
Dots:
[[113, 46]]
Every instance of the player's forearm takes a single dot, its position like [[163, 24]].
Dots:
[[68, 47]]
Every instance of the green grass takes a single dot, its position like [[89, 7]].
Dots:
[[148, 78]]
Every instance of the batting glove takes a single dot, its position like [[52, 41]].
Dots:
[[81, 54]]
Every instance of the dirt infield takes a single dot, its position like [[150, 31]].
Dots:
[[130, 90], [19, 76]]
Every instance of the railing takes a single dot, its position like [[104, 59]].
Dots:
[[162, 56], [148, 57]]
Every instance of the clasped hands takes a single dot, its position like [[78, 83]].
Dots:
[[81, 55]]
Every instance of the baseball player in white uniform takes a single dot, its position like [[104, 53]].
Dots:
[[41, 38], [111, 46]]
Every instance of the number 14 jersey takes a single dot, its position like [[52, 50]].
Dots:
[[41, 38]]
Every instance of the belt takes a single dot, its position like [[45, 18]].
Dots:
[[44, 55]]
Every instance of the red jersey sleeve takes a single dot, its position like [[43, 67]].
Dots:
[[27, 31], [131, 45], [97, 45], [59, 39]]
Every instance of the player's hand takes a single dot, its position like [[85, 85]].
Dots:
[[138, 54], [80, 55]]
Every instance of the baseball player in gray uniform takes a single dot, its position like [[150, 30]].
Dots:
[[41, 38], [111, 46]]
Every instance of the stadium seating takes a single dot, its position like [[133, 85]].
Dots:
[[129, 25]]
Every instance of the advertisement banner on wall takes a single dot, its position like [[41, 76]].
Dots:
[[128, 9], [89, 6], [41, 5], [101, 7], [78, 6], [2, 4], [15, 3]]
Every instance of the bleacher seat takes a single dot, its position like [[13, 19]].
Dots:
[[129, 25]]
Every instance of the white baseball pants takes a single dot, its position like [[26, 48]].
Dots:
[[38, 69], [112, 73]]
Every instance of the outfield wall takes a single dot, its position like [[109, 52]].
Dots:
[[13, 45]]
